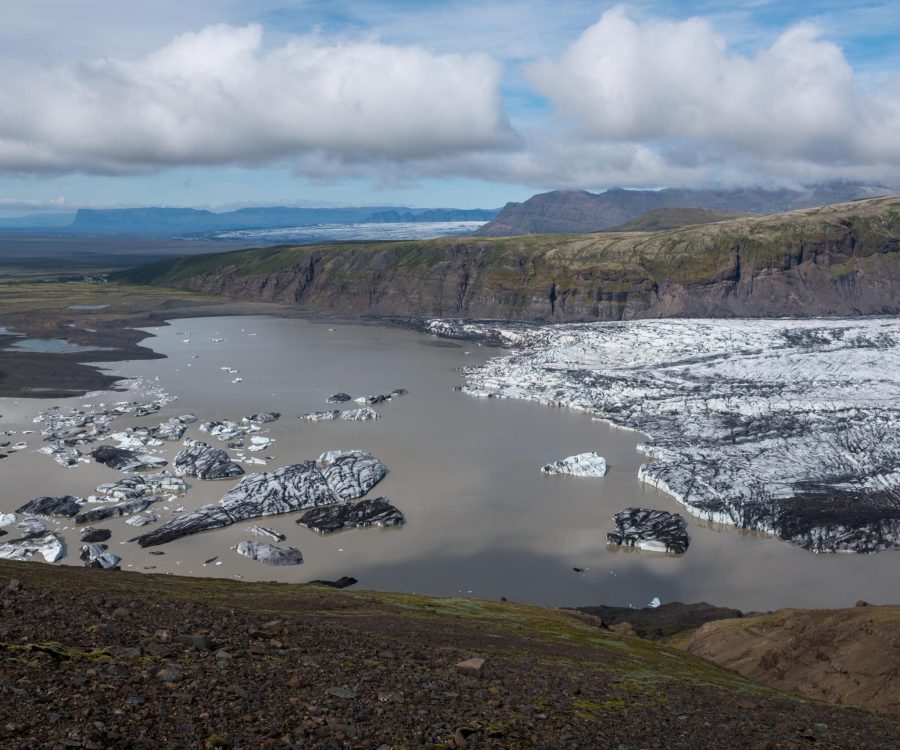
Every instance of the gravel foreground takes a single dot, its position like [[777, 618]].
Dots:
[[108, 659]]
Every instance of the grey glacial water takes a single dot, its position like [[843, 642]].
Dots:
[[482, 520]]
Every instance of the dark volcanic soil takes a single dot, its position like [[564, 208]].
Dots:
[[98, 659]]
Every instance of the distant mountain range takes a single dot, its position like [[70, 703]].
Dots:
[[169, 222], [560, 211], [563, 211], [38, 221]]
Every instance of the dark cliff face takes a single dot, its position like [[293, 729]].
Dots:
[[580, 211], [838, 261]]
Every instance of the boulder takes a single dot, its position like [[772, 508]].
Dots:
[[352, 474], [91, 551], [360, 415], [341, 583], [36, 539], [90, 535], [113, 511], [226, 430], [205, 462], [271, 533], [65, 457], [582, 465], [471, 667], [291, 488], [66, 506], [264, 417], [268, 553], [653, 530], [174, 429], [321, 416], [372, 399], [133, 486], [31, 527], [142, 519], [370, 512], [125, 459]]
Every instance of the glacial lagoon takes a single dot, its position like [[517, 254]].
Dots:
[[481, 518]]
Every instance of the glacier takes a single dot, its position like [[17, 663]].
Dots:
[[786, 426]]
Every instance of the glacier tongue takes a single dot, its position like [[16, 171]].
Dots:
[[786, 426]]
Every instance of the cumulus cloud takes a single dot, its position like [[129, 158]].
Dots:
[[677, 88], [661, 102], [632, 102], [220, 96]]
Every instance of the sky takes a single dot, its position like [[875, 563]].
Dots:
[[466, 103]]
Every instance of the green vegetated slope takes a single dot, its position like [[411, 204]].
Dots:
[[660, 219], [839, 260]]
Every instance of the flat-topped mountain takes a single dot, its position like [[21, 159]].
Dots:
[[581, 211], [835, 260]]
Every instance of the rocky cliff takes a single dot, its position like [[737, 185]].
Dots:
[[835, 260]]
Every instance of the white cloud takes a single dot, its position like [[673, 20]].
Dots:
[[638, 101], [219, 96], [658, 102], [677, 87]]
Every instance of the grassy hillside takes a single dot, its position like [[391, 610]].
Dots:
[[829, 260], [661, 219]]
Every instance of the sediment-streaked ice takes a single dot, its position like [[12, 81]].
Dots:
[[583, 465], [791, 427]]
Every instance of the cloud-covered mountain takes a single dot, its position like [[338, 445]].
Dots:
[[581, 211]]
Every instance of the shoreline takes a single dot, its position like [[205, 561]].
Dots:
[[117, 333]]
